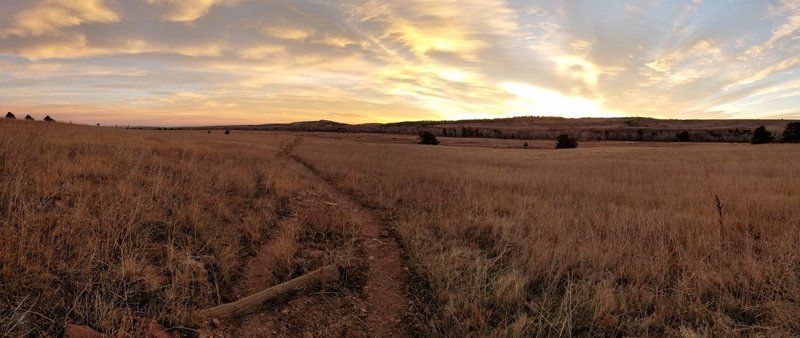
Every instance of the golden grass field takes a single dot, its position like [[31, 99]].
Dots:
[[102, 226], [591, 241]]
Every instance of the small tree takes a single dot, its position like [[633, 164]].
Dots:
[[427, 137], [761, 135], [11, 116], [683, 136], [792, 133], [29, 118], [227, 131], [49, 119], [563, 141]]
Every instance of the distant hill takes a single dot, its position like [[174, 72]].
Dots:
[[533, 128]]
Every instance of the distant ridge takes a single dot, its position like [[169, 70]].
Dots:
[[534, 127]]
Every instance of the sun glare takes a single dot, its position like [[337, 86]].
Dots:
[[532, 100]]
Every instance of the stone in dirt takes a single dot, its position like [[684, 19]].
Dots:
[[80, 331]]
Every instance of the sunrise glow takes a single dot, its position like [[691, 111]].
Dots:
[[195, 62]]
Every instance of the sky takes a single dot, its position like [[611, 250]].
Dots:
[[200, 62]]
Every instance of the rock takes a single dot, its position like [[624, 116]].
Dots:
[[215, 323], [384, 233], [80, 331]]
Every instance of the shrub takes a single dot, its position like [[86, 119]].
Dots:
[[565, 142], [29, 118], [762, 135], [11, 116], [227, 132], [683, 136], [49, 119], [792, 132], [427, 137]]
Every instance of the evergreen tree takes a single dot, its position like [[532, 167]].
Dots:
[[427, 137], [792, 132], [565, 142], [762, 135], [682, 136]]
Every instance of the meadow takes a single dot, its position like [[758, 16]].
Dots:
[[104, 226], [595, 241]]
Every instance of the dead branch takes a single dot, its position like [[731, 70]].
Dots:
[[251, 303]]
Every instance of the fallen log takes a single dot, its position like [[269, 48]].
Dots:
[[251, 303]]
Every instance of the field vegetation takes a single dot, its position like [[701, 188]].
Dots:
[[689, 240], [107, 227]]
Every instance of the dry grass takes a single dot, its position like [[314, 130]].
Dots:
[[591, 241], [104, 226]]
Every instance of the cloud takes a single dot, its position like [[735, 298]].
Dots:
[[48, 17], [186, 10], [367, 60]]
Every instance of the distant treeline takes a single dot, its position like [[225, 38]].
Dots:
[[544, 128]]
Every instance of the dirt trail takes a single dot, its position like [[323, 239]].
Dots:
[[375, 305]]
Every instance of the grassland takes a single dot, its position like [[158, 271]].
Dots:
[[106, 226], [592, 241], [103, 226]]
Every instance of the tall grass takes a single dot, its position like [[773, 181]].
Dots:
[[103, 227], [593, 241]]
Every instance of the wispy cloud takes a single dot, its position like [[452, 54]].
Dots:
[[253, 61]]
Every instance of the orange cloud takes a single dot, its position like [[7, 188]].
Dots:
[[187, 10], [48, 17]]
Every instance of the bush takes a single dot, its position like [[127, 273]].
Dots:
[[762, 135], [683, 136], [227, 132], [565, 142], [428, 138], [792, 133]]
